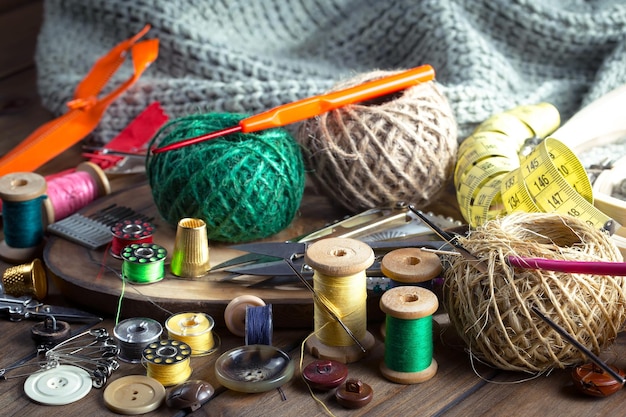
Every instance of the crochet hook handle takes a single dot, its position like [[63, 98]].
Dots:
[[313, 106]]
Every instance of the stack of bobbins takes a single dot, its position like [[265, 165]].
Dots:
[[411, 266], [409, 340], [127, 232], [340, 283], [195, 330], [71, 192], [22, 194]]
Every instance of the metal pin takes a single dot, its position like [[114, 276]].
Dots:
[[596, 360]]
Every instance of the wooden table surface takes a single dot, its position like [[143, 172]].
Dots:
[[460, 387]]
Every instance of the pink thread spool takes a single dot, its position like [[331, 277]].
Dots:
[[68, 193]]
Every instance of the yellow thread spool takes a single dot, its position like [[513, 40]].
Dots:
[[194, 329], [167, 361], [339, 281]]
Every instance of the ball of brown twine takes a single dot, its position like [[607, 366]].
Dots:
[[398, 148], [492, 311]]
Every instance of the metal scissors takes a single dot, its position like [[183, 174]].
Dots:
[[20, 308], [383, 228]]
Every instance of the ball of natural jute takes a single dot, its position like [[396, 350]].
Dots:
[[492, 311], [400, 147], [245, 186]]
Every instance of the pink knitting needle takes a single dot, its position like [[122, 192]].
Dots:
[[571, 267]]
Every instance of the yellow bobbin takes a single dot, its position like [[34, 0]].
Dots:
[[339, 281], [410, 266], [167, 361], [194, 329]]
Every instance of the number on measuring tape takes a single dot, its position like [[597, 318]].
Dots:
[[492, 178]]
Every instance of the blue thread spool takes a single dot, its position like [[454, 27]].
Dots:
[[22, 194], [408, 339], [259, 326]]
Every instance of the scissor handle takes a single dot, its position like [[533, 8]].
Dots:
[[313, 106]]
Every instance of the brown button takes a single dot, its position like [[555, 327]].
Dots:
[[325, 375], [592, 380], [354, 394]]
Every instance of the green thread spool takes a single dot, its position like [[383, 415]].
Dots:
[[22, 194], [408, 334], [244, 186], [144, 263]]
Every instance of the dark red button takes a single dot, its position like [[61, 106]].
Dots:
[[325, 375]]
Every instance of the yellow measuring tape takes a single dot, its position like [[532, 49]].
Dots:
[[497, 174]]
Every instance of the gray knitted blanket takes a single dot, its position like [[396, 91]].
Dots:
[[249, 56]]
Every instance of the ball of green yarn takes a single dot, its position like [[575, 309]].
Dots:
[[245, 186]]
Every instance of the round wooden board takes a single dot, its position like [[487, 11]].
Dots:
[[89, 278]]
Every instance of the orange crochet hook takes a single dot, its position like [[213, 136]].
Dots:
[[313, 106]]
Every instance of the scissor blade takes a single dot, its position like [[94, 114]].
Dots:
[[281, 250], [62, 313], [242, 260], [274, 268]]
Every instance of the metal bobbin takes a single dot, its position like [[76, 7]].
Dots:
[[143, 263], [133, 335], [129, 231]]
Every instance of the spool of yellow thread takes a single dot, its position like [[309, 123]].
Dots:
[[167, 361], [194, 329], [339, 281]]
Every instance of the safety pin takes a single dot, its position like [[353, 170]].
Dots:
[[41, 365]]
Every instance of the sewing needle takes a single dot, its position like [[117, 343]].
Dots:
[[327, 308], [316, 105]]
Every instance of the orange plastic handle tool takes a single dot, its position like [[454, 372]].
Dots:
[[86, 110], [313, 106]]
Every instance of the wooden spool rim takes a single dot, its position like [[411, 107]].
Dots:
[[22, 186], [409, 302], [411, 265], [339, 257]]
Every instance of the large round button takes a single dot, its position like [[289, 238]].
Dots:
[[134, 394], [61, 385]]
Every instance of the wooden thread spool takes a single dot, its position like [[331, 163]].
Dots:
[[22, 194], [235, 312], [339, 281], [194, 329], [409, 341], [167, 361], [411, 266], [70, 192]]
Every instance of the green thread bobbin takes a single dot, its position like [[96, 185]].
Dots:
[[144, 263], [408, 334]]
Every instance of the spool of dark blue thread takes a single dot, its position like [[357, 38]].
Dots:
[[22, 194], [259, 325]]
